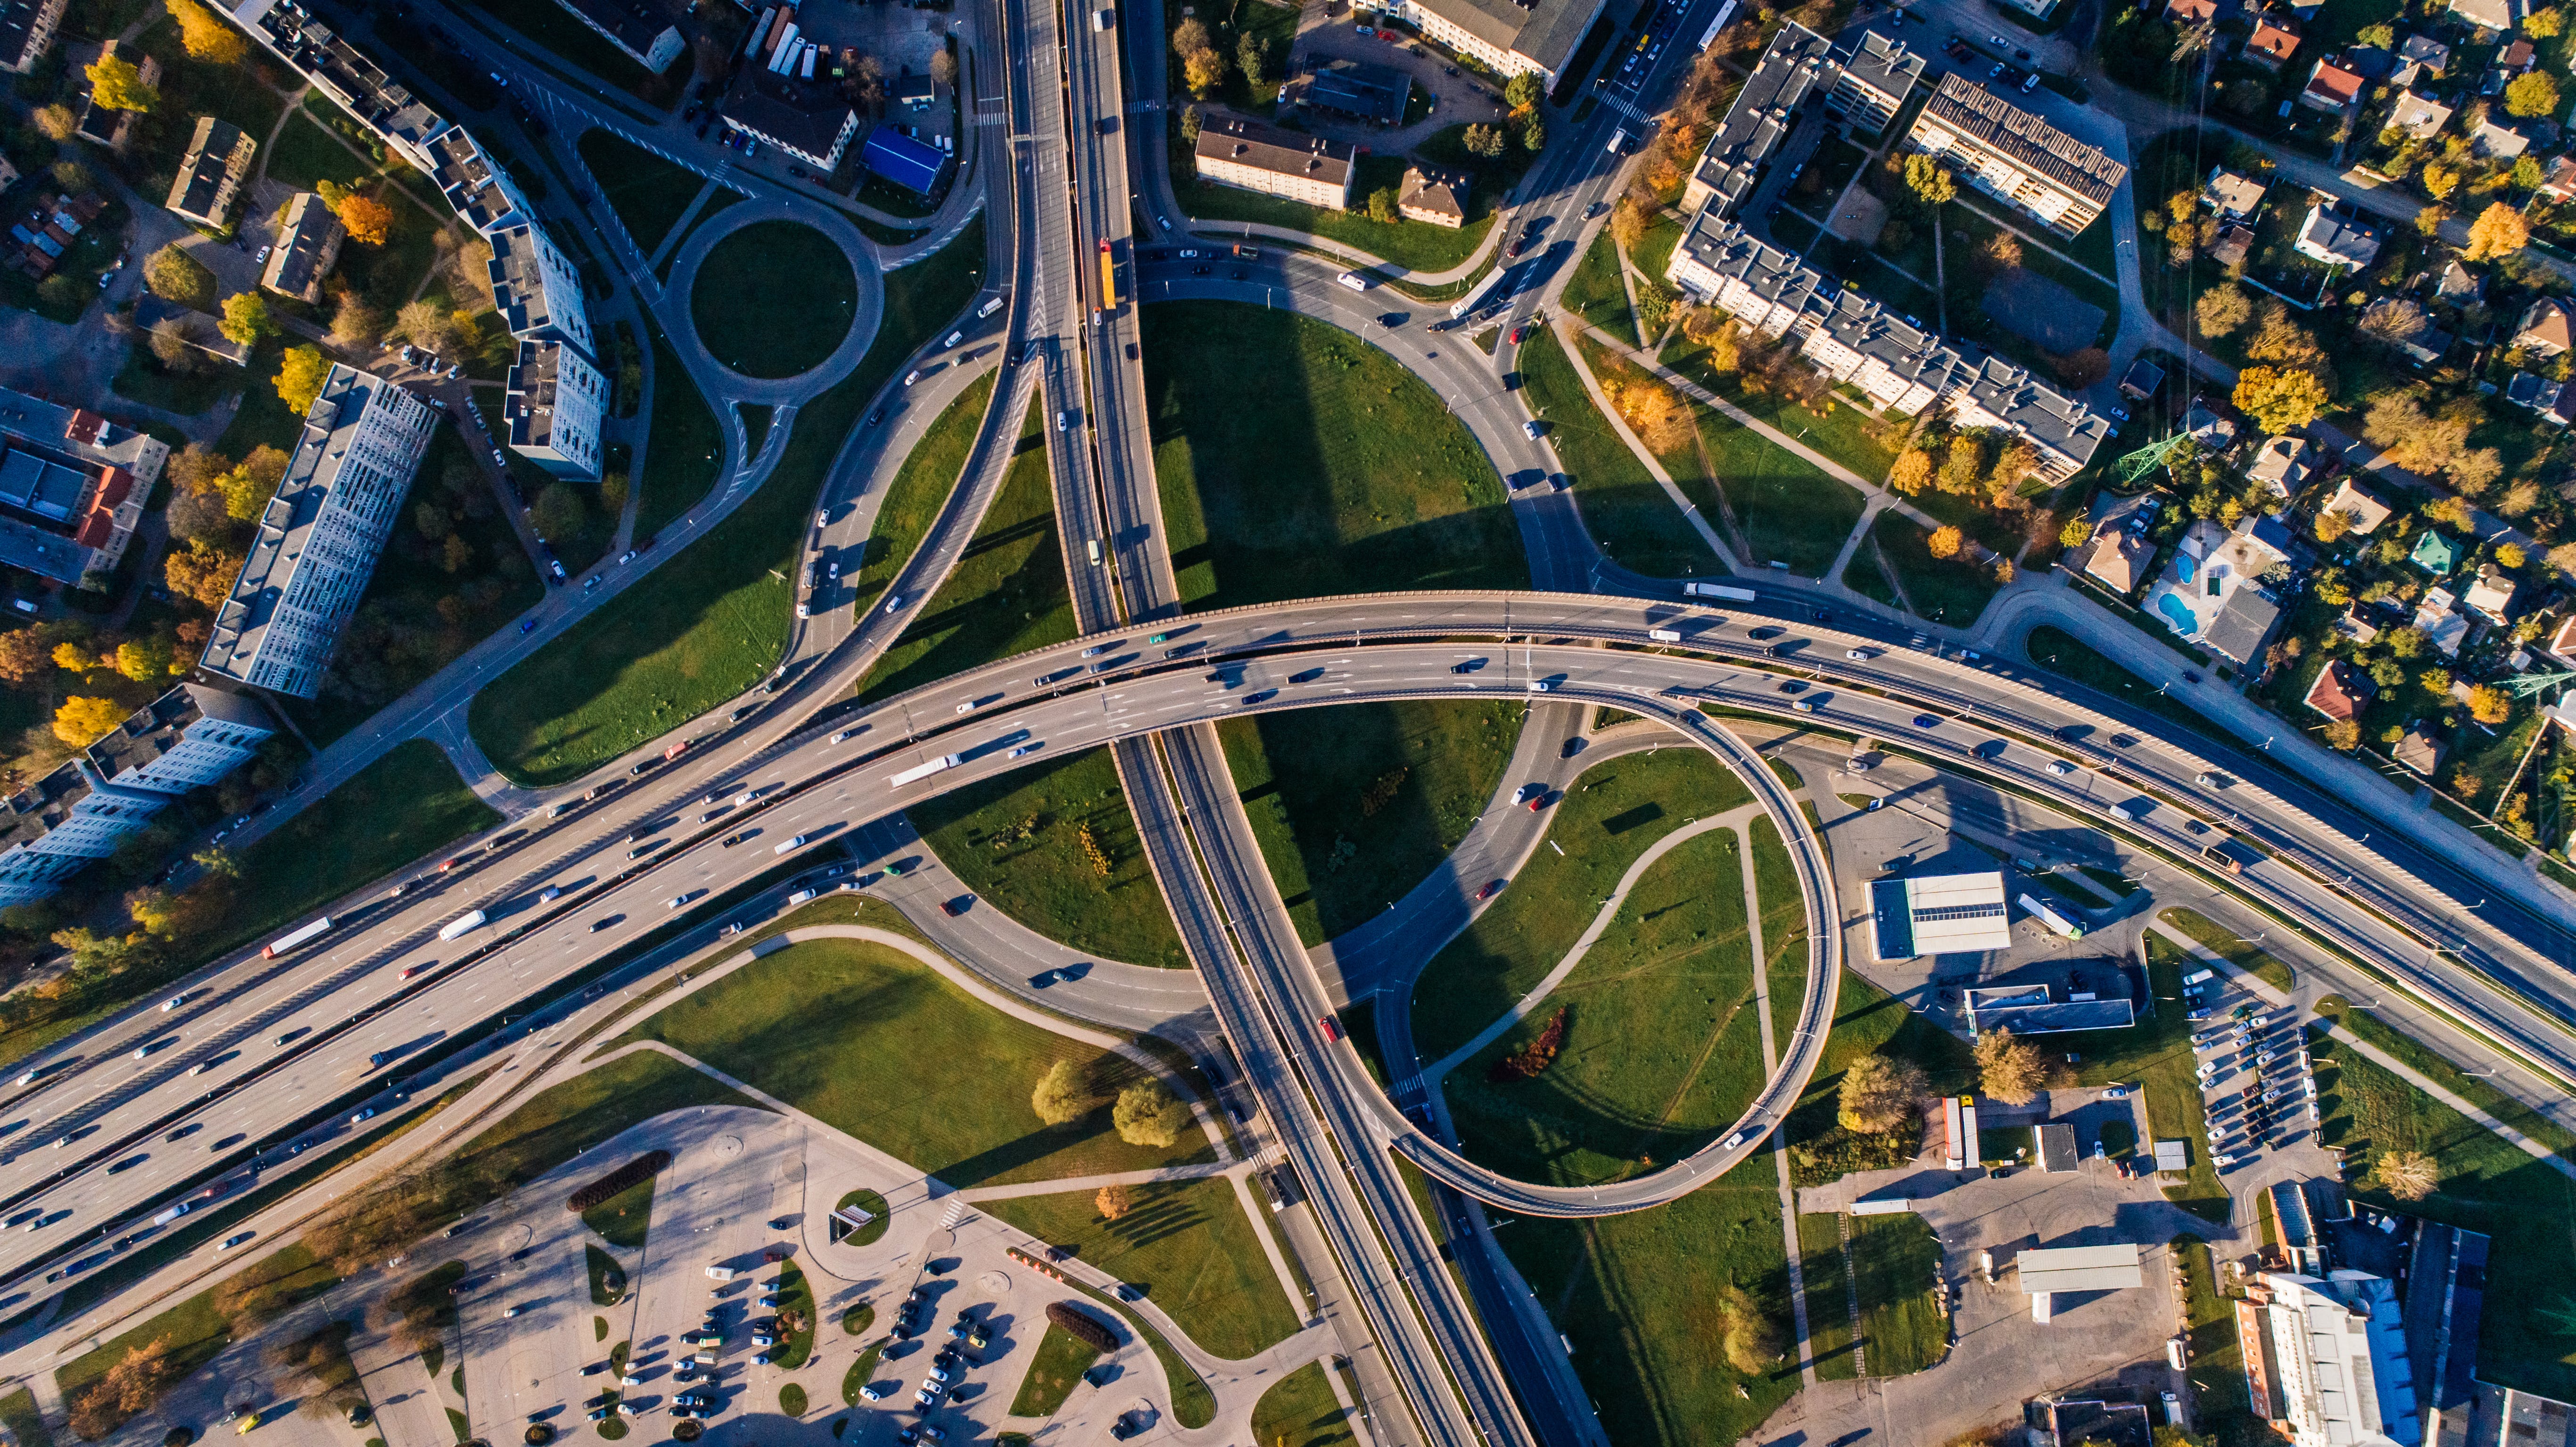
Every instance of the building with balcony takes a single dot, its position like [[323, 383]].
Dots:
[[2014, 156], [1514, 37], [553, 409], [72, 487], [537, 290], [211, 173], [476, 189], [27, 31], [1291, 165]]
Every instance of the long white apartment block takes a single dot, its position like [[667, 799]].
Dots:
[[554, 408]]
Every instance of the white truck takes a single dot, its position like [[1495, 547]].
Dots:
[[1720, 590], [919, 772], [309, 933], [462, 925]]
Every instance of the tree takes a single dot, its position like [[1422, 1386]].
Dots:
[[1381, 204], [2002, 251], [1252, 57], [2499, 229], [429, 326], [71, 657], [2449, 511], [1533, 135], [2393, 321], [116, 84], [25, 655], [2520, 498], [2476, 470], [1753, 1342], [2279, 400], [170, 345], [1522, 91], [2510, 556], [299, 378], [1879, 1094], [558, 512], [2008, 1068], [1061, 1095], [1483, 140], [175, 276], [2407, 1175], [1147, 1114], [201, 572], [1205, 71], [1964, 466], [147, 660], [1190, 35], [1190, 123], [2077, 532], [2221, 310], [2333, 524], [943, 69], [81, 722], [127, 1390], [1944, 542], [2343, 734], [2542, 24], [246, 319], [368, 220], [1113, 1201], [1910, 472], [56, 122], [72, 176], [1929, 179], [206, 37], [2531, 93], [248, 487], [2489, 704], [2381, 36], [2440, 180]]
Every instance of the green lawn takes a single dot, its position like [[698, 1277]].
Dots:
[[919, 490], [795, 1296], [1626, 510], [404, 806], [1867, 1020], [194, 1331], [722, 197], [1638, 1295], [869, 1040], [18, 1413], [650, 194], [2211, 936], [1896, 1261], [684, 444], [715, 617], [1610, 816], [1007, 594], [1054, 1369], [1298, 1410], [774, 299], [1595, 292], [307, 153], [2156, 1053], [2062, 653], [1845, 433], [1784, 928], [2219, 1406], [1662, 1048], [607, 1278], [1413, 245], [1945, 590], [559, 30], [2476, 1090], [143, 380], [1790, 510], [1821, 1267], [1015, 840], [1355, 805], [1340, 473], [1187, 1246], [623, 1219]]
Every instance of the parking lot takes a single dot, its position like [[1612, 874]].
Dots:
[[2255, 1077]]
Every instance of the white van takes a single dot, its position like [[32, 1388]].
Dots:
[[1618, 142], [1103, 19], [1353, 280], [720, 1273]]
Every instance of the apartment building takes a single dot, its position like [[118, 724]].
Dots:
[[27, 31], [1514, 37], [1874, 76], [338, 68], [648, 39], [553, 409], [1433, 195], [72, 487], [1866, 82], [319, 537], [537, 290], [307, 243], [2014, 156], [211, 173], [1291, 165], [476, 189]]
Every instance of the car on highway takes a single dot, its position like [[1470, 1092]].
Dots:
[[363, 1116], [1532, 430], [1491, 888], [1926, 721], [794, 842]]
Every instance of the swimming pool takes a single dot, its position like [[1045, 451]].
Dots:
[[2177, 613], [2184, 566]]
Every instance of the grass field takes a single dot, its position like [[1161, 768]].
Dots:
[[2209, 935], [1054, 1369], [1300, 1410], [1626, 510], [1595, 293], [1821, 1267], [649, 194], [1603, 823], [1896, 1260], [2062, 653], [2220, 1406], [404, 806], [2156, 1054], [1662, 1048], [1355, 805], [1414, 245], [1340, 473], [794, 1295], [194, 1330], [684, 444], [1639, 1294], [26, 1425], [715, 617], [869, 1040], [623, 1219], [1016, 840], [919, 490], [1867, 1020], [1007, 594], [1791, 510], [607, 1278], [306, 153], [1784, 928], [2486, 1185], [2417, 1057], [1945, 590], [774, 299], [1187, 1246]]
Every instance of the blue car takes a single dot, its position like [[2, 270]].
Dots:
[[1925, 721]]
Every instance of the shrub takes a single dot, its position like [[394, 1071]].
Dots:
[[649, 1164], [1082, 1325]]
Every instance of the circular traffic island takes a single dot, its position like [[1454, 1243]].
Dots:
[[774, 299]]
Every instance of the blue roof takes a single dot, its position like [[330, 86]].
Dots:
[[901, 159]]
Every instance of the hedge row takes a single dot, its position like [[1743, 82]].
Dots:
[[1080, 1323], [646, 1165]]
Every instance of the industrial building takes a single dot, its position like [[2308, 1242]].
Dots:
[[902, 160], [2333, 1362], [814, 126], [72, 487], [2028, 1010], [2059, 1271], [319, 537], [553, 409], [1938, 915], [1288, 164]]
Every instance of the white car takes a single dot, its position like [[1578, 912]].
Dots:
[[2221, 1159], [894, 602], [954, 337], [675, 901], [843, 734], [797, 842], [174, 1002], [874, 1393], [912, 376], [1856, 655], [967, 707], [630, 1380]]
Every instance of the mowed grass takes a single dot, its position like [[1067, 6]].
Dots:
[[1945, 590], [2218, 940], [1595, 293], [649, 194], [1355, 805], [18, 1413], [1186, 1245], [1016, 840], [774, 299], [1638, 1295], [867, 1039], [1867, 1020], [1007, 594], [1338, 472], [624, 1219], [1784, 928], [1896, 1260], [919, 490], [1662, 1048], [2221, 1405], [1822, 1268], [405, 805], [683, 448], [1300, 1410], [2156, 1054], [2486, 1185], [1054, 1368], [1790, 510], [2476, 1090], [1628, 513], [714, 618], [1603, 823]]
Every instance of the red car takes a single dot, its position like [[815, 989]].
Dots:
[[1519, 332], [1492, 888], [1331, 1027]]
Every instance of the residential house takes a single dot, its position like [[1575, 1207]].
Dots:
[[2516, 57], [2365, 512], [2341, 691], [2275, 37], [72, 488], [2234, 244], [1434, 195], [2117, 559], [2336, 239], [1252, 156], [1794, 66], [2562, 642], [2419, 116], [2202, 424], [2435, 553], [2497, 15], [2558, 179], [2490, 594], [1513, 39], [2232, 196], [2350, 624], [2190, 12], [2333, 87], [2548, 327], [2424, 51], [2141, 380], [2014, 156], [2554, 401], [2445, 626], [210, 175], [2280, 464], [50, 228], [103, 125], [2458, 285], [2214, 589], [2494, 142], [2404, 326], [2421, 750]]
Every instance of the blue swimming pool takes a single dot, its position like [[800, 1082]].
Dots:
[[2184, 567], [2176, 613]]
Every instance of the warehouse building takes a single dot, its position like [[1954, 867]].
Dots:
[[1943, 914]]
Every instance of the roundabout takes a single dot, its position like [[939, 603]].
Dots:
[[770, 304]]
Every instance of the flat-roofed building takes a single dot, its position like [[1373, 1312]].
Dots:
[[1433, 195], [476, 189], [211, 173], [2078, 1268], [307, 244], [1291, 165], [1940, 914], [1874, 75], [811, 123], [553, 409], [2336, 1349], [2028, 1010], [2014, 156], [27, 31], [647, 38], [537, 290], [188, 738], [72, 487], [341, 71], [1515, 37], [319, 537], [1797, 64], [906, 162]]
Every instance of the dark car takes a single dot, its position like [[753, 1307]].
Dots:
[[957, 906]]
